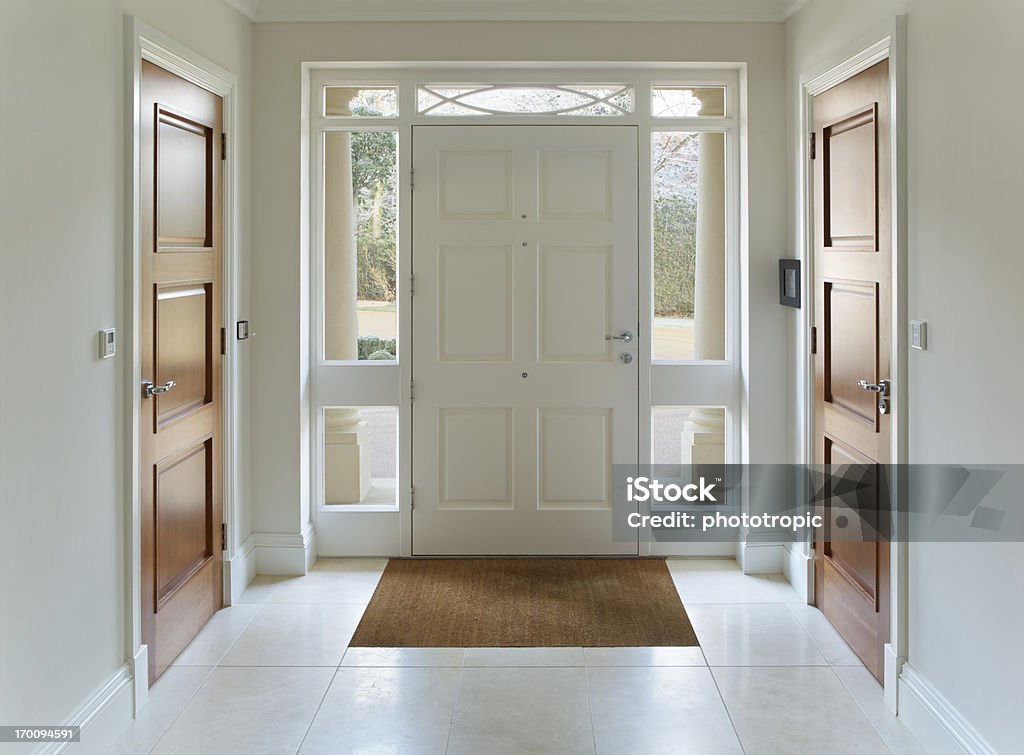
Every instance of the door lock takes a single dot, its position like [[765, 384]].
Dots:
[[626, 337], [882, 389], [626, 358]]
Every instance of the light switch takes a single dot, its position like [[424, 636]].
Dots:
[[918, 335], [108, 343]]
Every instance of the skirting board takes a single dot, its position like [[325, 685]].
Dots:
[[797, 567], [103, 717], [760, 558], [239, 570], [936, 724], [289, 555]]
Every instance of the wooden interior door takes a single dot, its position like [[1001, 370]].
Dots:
[[852, 300], [525, 261], [181, 340]]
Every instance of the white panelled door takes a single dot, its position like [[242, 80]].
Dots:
[[525, 258]]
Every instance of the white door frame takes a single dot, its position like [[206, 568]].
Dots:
[[376, 530], [143, 42], [890, 44]]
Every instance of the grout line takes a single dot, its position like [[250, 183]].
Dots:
[[817, 646], [318, 707], [728, 712], [180, 712], [590, 707], [871, 720], [455, 706]]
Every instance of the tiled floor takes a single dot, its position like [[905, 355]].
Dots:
[[274, 674]]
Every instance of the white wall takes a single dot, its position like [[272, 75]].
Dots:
[[62, 145], [280, 268], [966, 184]]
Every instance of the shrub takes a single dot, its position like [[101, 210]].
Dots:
[[370, 345]]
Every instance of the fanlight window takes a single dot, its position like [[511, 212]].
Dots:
[[520, 99]]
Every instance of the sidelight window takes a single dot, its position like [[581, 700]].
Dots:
[[360, 245]]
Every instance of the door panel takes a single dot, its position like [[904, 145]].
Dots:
[[852, 283], [525, 259], [180, 337]]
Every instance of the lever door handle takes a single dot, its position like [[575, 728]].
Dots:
[[881, 387], [625, 337], [149, 390]]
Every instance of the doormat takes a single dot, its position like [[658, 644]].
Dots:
[[440, 603]]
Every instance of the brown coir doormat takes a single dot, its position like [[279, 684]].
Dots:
[[525, 603]]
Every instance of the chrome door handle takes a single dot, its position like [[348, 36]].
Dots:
[[149, 390], [625, 337], [881, 387]]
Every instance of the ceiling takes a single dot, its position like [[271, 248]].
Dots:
[[517, 10]]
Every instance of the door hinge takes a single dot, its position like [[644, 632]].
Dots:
[[412, 285], [412, 179], [814, 145], [814, 339], [223, 536], [412, 497], [223, 341], [223, 146], [412, 391]]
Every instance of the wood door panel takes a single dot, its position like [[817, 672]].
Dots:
[[182, 536], [851, 612], [184, 350], [852, 315], [851, 346], [850, 156], [180, 448], [856, 560], [185, 151], [187, 611]]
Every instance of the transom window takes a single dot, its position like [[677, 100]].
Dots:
[[520, 99]]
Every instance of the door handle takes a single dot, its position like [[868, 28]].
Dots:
[[149, 390], [626, 337], [881, 387]]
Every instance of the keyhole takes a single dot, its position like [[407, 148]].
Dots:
[[525, 375]]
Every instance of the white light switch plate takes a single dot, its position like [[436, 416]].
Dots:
[[918, 335], [108, 343]]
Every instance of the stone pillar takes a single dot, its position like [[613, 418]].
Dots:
[[346, 450], [704, 431]]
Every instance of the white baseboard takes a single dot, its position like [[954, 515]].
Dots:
[[937, 725], [285, 554], [103, 717], [797, 567], [892, 666], [760, 558], [239, 570], [139, 668]]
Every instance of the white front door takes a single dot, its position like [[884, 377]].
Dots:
[[525, 258]]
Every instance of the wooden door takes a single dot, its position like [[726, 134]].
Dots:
[[182, 559], [525, 261], [852, 301]]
